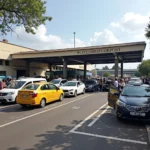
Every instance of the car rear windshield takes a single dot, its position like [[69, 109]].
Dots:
[[139, 91], [55, 81], [70, 84], [31, 87], [16, 84], [89, 82]]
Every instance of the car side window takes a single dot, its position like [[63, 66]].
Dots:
[[52, 87], [45, 87]]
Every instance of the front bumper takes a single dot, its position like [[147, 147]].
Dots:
[[69, 93], [123, 112], [8, 98]]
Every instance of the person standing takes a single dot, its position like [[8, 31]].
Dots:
[[100, 84], [116, 83], [1, 85]]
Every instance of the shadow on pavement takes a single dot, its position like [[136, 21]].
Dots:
[[61, 139]]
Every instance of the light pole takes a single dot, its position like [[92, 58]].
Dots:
[[74, 38]]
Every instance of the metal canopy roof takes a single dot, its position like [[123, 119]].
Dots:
[[105, 54]]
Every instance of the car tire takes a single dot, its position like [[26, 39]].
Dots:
[[43, 103], [23, 105], [75, 94], [83, 91], [61, 97]]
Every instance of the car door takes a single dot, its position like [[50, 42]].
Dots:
[[80, 87], [54, 91], [113, 95], [46, 93]]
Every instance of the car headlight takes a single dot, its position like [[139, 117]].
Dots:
[[71, 90], [11, 93], [121, 103]]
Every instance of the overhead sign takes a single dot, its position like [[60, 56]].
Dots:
[[97, 51]]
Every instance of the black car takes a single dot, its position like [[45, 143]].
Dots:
[[91, 85], [132, 103]]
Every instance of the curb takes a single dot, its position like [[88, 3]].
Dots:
[[148, 131]]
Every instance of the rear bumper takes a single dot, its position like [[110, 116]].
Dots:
[[27, 102]]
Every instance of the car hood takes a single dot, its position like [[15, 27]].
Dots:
[[88, 84], [7, 90], [135, 101], [67, 87]]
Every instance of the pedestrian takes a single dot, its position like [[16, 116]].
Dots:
[[121, 85], [1, 85], [116, 82], [100, 84]]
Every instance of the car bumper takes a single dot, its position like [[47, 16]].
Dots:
[[89, 89], [7, 99], [69, 93], [123, 112]]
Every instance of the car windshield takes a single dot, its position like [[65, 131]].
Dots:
[[55, 81], [31, 87], [89, 82], [70, 84], [16, 84], [136, 91]]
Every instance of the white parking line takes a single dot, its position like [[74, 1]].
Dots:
[[110, 137], [8, 106], [91, 124], [82, 122], [9, 123]]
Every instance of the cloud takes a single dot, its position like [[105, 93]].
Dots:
[[131, 22], [105, 37], [42, 40]]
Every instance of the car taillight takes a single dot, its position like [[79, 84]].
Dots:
[[34, 94]]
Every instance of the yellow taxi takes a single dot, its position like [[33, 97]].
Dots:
[[39, 94]]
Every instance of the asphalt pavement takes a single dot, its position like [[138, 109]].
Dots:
[[84, 122]]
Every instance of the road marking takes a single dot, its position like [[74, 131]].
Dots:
[[8, 106], [75, 107], [109, 137], [87, 118], [91, 124], [9, 123]]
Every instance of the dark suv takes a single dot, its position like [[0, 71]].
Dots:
[[91, 85]]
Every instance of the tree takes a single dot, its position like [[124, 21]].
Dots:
[[29, 13], [113, 67], [105, 68], [106, 74], [144, 68], [147, 34], [137, 74]]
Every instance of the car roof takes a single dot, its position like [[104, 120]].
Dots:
[[32, 79]]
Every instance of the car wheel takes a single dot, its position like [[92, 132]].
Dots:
[[83, 91], [42, 103], [61, 97], [75, 94], [23, 105]]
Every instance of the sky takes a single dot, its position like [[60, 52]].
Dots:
[[96, 22]]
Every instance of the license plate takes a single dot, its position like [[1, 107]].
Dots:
[[24, 96], [137, 114]]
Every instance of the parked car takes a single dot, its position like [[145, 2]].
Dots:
[[59, 82], [91, 85], [39, 94], [10, 93], [133, 102], [73, 88]]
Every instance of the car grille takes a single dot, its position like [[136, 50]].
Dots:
[[65, 90], [145, 108], [3, 94]]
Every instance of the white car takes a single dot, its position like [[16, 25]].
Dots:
[[59, 82], [135, 79], [73, 88], [10, 93]]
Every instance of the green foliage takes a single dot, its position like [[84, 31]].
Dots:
[[147, 34], [137, 74], [29, 13], [105, 68], [113, 67], [144, 68], [106, 74]]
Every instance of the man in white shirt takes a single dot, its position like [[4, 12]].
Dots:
[[116, 83]]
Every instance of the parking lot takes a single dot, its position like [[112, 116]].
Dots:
[[83, 123]]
